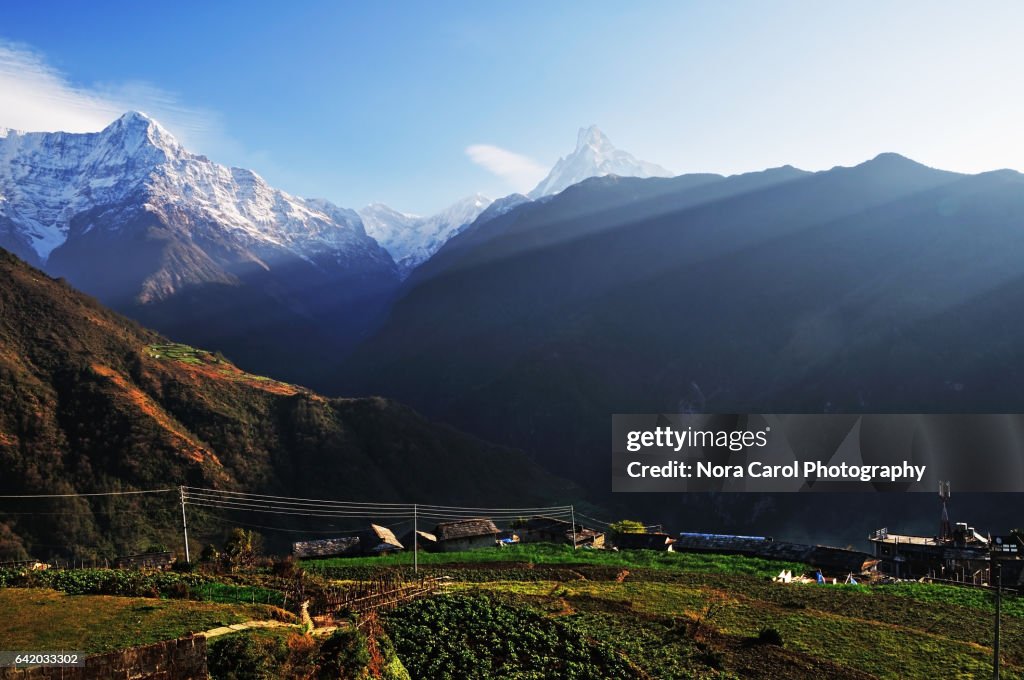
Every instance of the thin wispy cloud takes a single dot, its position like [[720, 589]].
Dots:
[[518, 171], [35, 97]]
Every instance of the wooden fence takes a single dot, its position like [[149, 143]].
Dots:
[[380, 593]]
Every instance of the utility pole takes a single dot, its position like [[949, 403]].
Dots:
[[995, 647], [1000, 548], [572, 509], [415, 539], [184, 523]]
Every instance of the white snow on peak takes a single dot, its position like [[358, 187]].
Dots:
[[594, 156], [48, 178], [412, 239]]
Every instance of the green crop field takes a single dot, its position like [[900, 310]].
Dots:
[[679, 615], [545, 554], [542, 611], [876, 631], [180, 352]]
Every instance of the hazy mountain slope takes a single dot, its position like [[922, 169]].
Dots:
[[590, 207], [644, 295], [89, 401], [840, 290], [129, 215]]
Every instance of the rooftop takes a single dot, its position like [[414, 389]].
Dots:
[[905, 539], [467, 528]]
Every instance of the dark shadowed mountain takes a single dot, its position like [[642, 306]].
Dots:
[[90, 401], [208, 254], [888, 286]]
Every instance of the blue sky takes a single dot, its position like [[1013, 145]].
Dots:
[[361, 102]]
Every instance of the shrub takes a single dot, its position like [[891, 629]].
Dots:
[[627, 526], [286, 568], [712, 658], [245, 657], [302, 655], [770, 636], [242, 548], [344, 655], [209, 553]]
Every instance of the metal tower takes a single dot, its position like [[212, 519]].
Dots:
[[945, 528]]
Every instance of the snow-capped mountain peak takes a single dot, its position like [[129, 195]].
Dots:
[[135, 130], [594, 156], [594, 138], [48, 180], [412, 239]]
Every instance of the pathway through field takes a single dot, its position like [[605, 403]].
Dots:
[[237, 627]]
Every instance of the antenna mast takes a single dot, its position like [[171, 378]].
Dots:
[[945, 528]]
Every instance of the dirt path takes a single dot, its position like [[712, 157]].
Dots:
[[248, 625]]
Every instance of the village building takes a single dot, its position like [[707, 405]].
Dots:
[[828, 559], [326, 547], [424, 541], [541, 529], [962, 555], [648, 541], [153, 560], [377, 540], [466, 534], [957, 553]]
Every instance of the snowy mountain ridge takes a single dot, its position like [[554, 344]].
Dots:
[[412, 239], [56, 185], [48, 179]]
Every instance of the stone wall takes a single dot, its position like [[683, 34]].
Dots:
[[181, 659]]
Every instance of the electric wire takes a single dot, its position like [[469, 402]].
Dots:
[[77, 495]]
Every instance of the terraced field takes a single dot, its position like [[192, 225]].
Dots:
[[544, 611], [680, 616]]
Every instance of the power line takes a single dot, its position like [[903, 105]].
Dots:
[[196, 491], [608, 524], [298, 512], [97, 493], [365, 512], [299, 531], [293, 500], [448, 516], [287, 505], [314, 507], [80, 512], [240, 501]]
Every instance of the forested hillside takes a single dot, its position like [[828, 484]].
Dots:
[[90, 401]]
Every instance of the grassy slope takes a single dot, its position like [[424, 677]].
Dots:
[[43, 619]]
